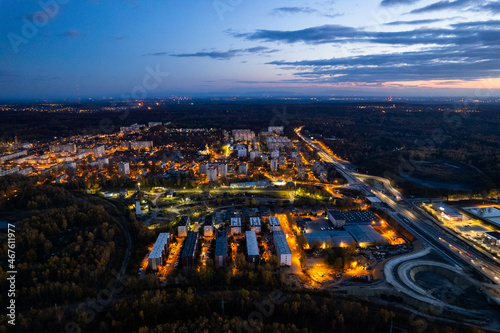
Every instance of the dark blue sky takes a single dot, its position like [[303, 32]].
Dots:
[[358, 47]]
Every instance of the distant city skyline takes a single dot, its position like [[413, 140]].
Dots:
[[93, 49]]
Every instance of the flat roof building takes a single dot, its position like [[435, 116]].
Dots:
[[365, 235], [252, 247], [274, 223], [447, 212], [208, 227], [339, 238], [189, 251], [183, 227], [493, 236], [339, 219], [235, 225], [255, 224], [221, 249], [282, 248], [159, 251]]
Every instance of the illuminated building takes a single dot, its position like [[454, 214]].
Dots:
[[274, 223], [235, 225], [339, 219], [9, 157], [243, 135], [243, 169], [222, 168], [242, 150], [252, 247], [141, 144], [124, 168], [255, 224], [212, 174], [159, 251], [68, 148], [282, 248], [183, 227], [208, 226], [274, 164], [447, 212], [301, 172]]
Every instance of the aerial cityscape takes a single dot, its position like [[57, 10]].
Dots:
[[234, 166]]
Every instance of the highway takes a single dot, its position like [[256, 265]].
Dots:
[[451, 248]]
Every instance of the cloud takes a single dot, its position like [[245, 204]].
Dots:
[[388, 3], [342, 34], [292, 10], [444, 63], [315, 35], [493, 7], [477, 24], [464, 51], [72, 33], [414, 22], [225, 55], [155, 54], [442, 5]]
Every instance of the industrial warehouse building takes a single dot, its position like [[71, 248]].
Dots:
[[365, 235], [183, 227], [159, 251], [353, 218], [331, 237], [221, 249], [189, 251], [255, 224], [493, 236], [447, 212], [235, 225], [252, 247], [274, 223], [282, 248]]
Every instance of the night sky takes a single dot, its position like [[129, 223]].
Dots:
[[223, 47]]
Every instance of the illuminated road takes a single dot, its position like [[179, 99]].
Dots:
[[451, 248]]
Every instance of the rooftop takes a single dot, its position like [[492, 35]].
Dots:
[[335, 237], [184, 220], [364, 234], [235, 222], [221, 244], [355, 217], [281, 243], [450, 211], [254, 221], [190, 244], [494, 234], [157, 250], [252, 247], [274, 220]]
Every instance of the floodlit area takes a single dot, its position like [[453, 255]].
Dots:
[[389, 234], [471, 226]]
